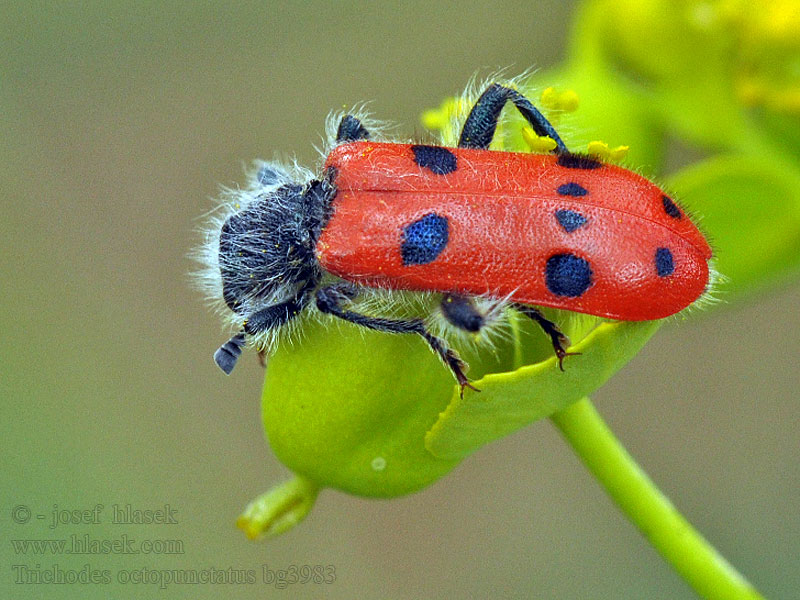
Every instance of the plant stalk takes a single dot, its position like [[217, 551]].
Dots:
[[697, 562]]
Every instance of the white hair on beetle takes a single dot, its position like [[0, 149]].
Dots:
[[263, 178], [711, 296], [495, 331], [379, 130]]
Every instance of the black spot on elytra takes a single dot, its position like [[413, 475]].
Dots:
[[435, 158], [664, 263], [567, 275], [424, 239], [670, 207], [572, 189], [578, 161], [570, 220]]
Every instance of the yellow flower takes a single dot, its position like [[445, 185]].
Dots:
[[603, 152], [537, 143]]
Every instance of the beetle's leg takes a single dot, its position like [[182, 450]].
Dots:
[[350, 130], [461, 312], [559, 340], [331, 298], [481, 123], [258, 322]]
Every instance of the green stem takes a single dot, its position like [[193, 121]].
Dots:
[[702, 567]]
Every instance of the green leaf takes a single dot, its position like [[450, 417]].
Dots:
[[750, 207], [368, 413], [509, 401], [783, 129]]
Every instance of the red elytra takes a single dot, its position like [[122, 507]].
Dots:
[[642, 256]]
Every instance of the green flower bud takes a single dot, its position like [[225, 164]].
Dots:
[[278, 510]]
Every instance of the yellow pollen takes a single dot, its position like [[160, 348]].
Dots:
[[537, 143]]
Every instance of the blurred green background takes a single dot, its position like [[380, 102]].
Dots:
[[118, 121]]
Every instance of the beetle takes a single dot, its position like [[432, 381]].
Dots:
[[559, 230]]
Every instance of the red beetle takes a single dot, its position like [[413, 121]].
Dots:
[[561, 230]]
